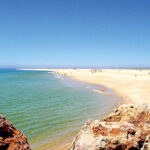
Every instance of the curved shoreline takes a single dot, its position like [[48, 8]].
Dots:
[[132, 84], [127, 100], [122, 81], [64, 72]]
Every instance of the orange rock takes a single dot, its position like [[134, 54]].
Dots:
[[10, 137], [115, 131]]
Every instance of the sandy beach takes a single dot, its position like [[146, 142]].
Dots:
[[132, 84]]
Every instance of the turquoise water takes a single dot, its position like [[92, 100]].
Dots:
[[47, 108]]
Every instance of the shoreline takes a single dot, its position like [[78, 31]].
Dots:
[[126, 100], [104, 90], [101, 89], [131, 84], [62, 72]]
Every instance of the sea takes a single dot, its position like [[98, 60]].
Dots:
[[51, 109]]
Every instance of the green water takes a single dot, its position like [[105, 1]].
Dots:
[[47, 108]]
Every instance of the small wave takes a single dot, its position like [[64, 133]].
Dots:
[[101, 92]]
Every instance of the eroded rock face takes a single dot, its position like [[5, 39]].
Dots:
[[126, 128], [11, 138]]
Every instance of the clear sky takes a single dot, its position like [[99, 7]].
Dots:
[[73, 33]]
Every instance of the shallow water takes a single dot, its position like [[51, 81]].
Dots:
[[50, 109]]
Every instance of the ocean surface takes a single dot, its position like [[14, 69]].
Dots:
[[50, 109]]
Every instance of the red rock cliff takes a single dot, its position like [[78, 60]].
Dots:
[[11, 138]]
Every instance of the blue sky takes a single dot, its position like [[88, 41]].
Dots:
[[73, 33]]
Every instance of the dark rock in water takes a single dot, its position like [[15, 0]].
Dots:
[[11, 138], [126, 128]]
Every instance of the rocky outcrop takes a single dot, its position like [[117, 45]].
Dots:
[[11, 138], [126, 128]]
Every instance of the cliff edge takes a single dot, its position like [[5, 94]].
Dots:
[[126, 128], [11, 138]]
